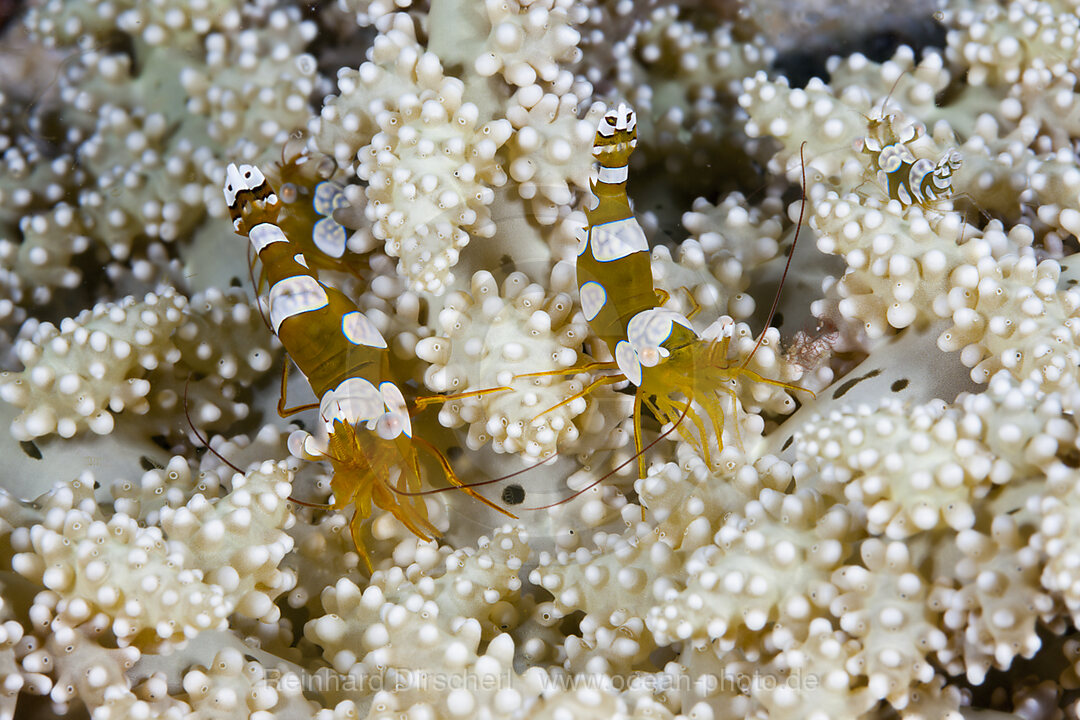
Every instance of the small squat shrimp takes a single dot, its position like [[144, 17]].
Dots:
[[365, 416], [894, 165], [655, 348], [904, 178]]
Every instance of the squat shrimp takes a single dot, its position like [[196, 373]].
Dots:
[[910, 180], [904, 178]]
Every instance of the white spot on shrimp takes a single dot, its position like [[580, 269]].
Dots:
[[360, 331], [617, 239], [593, 296]]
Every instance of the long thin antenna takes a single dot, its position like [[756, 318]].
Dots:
[[787, 266], [632, 458], [479, 483], [198, 435], [305, 503], [888, 97], [503, 478]]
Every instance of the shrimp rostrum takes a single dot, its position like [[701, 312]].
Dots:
[[655, 348], [366, 428]]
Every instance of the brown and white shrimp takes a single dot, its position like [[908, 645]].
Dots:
[[676, 372], [365, 418]]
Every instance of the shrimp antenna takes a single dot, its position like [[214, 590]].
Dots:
[[886, 99], [503, 478], [305, 503], [896, 82], [204, 441], [317, 506], [632, 458], [787, 266], [479, 483]]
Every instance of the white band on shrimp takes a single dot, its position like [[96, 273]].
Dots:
[[293, 296], [612, 175], [304, 446], [646, 332], [593, 296], [395, 421], [356, 327], [650, 328], [354, 401], [264, 234], [617, 239]]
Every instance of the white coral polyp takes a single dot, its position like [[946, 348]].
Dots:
[[528, 40], [772, 562], [728, 243], [239, 541], [414, 633], [77, 376], [154, 587], [1010, 314], [828, 656], [1059, 537], [999, 45], [551, 149], [232, 685], [397, 66], [992, 602], [256, 84], [125, 571], [883, 603], [913, 469], [486, 337], [430, 170], [896, 257]]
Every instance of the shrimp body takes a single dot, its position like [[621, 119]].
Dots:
[[655, 348], [901, 175], [366, 428]]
